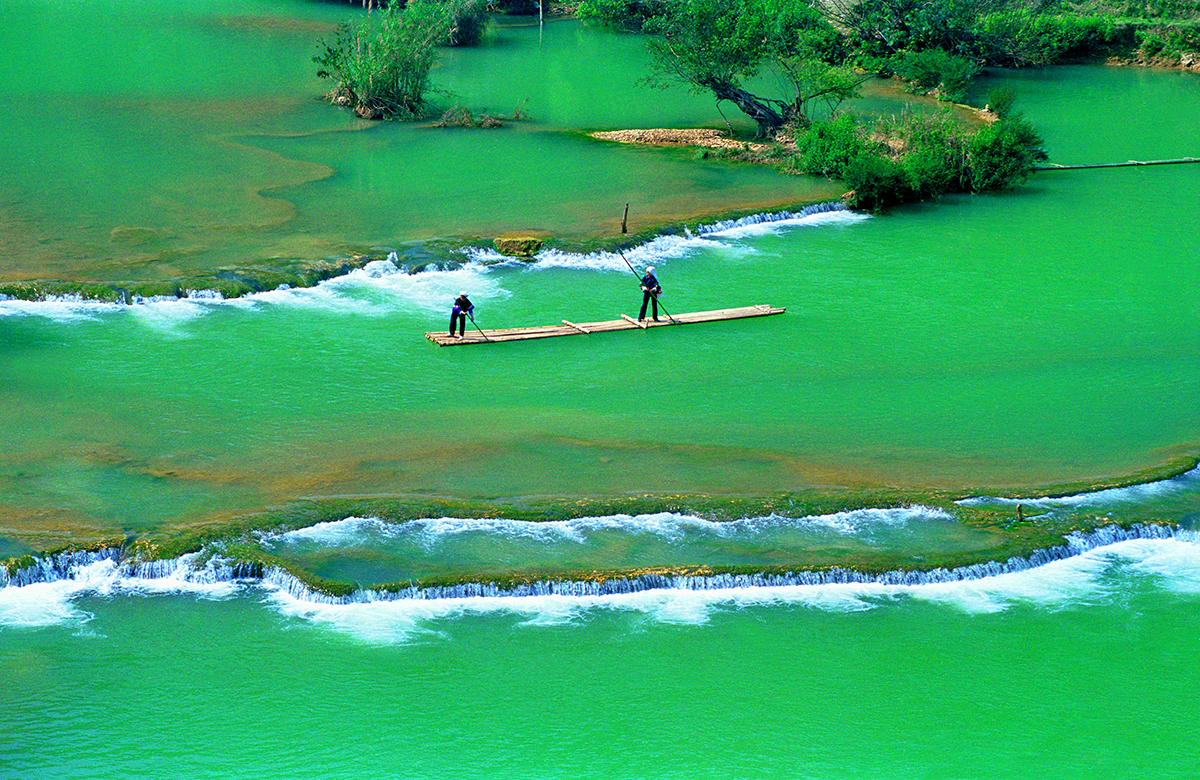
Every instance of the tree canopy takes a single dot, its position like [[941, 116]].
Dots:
[[722, 46]]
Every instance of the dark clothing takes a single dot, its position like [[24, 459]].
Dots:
[[650, 292], [458, 315]]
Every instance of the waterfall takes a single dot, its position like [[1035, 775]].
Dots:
[[67, 565], [213, 569], [775, 216]]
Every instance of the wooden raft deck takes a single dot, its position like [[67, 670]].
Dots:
[[583, 328]]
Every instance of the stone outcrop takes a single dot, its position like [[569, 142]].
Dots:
[[517, 246]]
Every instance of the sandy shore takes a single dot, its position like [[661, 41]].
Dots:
[[713, 139]]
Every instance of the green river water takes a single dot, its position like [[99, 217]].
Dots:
[[1045, 336]]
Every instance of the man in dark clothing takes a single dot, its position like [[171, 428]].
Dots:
[[650, 293], [463, 308]]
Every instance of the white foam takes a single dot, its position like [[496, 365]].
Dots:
[[167, 314], [1088, 578], [381, 287], [1172, 564], [59, 309], [670, 526], [1145, 492], [737, 229], [52, 603], [40, 604]]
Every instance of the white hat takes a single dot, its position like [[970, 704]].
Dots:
[[650, 270], [463, 293]]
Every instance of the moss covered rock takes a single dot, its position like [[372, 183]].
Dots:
[[517, 246]]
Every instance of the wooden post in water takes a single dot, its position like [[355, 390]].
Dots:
[[625, 218]]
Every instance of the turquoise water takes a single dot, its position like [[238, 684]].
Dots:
[[1081, 665], [1042, 336]]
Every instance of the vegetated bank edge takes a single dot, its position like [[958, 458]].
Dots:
[[1017, 537], [444, 254]]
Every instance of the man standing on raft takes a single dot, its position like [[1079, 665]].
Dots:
[[650, 292], [463, 308]]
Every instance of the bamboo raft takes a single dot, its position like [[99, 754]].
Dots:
[[567, 328]]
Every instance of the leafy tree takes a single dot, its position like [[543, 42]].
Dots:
[[626, 14], [719, 46]]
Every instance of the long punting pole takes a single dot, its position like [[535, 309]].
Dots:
[[639, 278]]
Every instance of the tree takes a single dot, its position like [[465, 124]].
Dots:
[[719, 46]]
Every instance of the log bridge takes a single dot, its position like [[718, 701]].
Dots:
[[568, 328]]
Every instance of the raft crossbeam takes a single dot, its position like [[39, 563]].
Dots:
[[584, 328]]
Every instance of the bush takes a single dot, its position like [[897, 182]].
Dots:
[[938, 70], [1002, 154], [931, 152], [468, 21], [626, 14], [1000, 100], [876, 182], [826, 148], [381, 66]]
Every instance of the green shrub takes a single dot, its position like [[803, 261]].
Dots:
[[380, 67], [826, 148], [1003, 154], [468, 23], [626, 14], [1000, 100], [876, 182], [936, 69], [931, 151]]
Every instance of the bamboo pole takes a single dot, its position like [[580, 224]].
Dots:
[[1127, 164]]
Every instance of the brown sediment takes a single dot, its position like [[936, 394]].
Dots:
[[1188, 62], [700, 136]]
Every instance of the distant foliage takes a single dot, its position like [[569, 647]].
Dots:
[[938, 71], [917, 156], [1020, 37], [516, 7], [626, 14], [1168, 42]]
